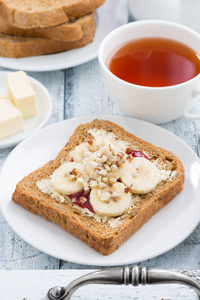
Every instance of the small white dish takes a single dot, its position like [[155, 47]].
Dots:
[[32, 124], [109, 16], [165, 230]]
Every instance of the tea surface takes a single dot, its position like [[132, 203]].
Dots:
[[155, 62]]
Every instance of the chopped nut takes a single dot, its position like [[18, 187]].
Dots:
[[117, 163], [93, 183], [90, 141], [130, 157], [102, 172], [115, 151], [119, 156], [79, 175], [110, 156], [83, 200], [102, 185], [99, 179], [86, 189], [114, 167], [94, 164], [74, 172], [127, 189], [104, 158], [105, 196], [107, 167], [112, 180], [99, 154], [128, 150], [72, 177], [80, 179], [105, 179]]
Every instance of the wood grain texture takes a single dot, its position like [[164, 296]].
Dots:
[[76, 92], [34, 285]]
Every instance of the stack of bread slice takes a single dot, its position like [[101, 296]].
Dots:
[[35, 27]]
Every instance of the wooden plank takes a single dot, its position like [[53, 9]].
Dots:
[[86, 94], [34, 285]]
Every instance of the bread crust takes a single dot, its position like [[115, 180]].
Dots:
[[69, 31], [98, 235], [18, 47], [37, 13]]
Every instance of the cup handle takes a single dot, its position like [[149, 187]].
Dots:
[[188, 116]]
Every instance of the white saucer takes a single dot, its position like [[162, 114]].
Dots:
[[32, 124]]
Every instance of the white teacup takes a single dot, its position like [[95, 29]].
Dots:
[[154, 104]]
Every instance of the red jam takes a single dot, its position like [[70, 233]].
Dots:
[[78, 197], [136, 153]]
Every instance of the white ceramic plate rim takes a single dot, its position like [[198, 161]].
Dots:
[[44, 103], [109, 16], [161, 233]]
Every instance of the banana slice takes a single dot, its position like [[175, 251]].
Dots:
[[79, 152], [69, 178], [141, 176], [110, 201]]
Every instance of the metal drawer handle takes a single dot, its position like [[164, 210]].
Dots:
[[134, 275]]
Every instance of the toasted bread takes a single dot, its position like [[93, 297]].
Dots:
[[104, 234], [37, 13], [72, 30], [19, 46]]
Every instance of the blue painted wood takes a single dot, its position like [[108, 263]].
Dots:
[[80, 91]]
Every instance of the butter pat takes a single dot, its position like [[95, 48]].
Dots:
[[21, 93], [11, 120]]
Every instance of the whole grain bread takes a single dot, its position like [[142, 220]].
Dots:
[[18, 47], [105, 236], [72, 30], [37, 13]]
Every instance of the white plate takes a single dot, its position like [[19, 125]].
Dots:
[[110, 15], [163, 231], [32, 124]]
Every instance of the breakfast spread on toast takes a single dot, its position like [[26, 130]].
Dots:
[[31, 28], [103, 185]]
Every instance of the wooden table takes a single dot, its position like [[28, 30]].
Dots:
[[79, 91]]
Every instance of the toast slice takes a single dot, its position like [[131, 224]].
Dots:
[[103, 233], [37, 13], [72, 30], [18, 46]]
